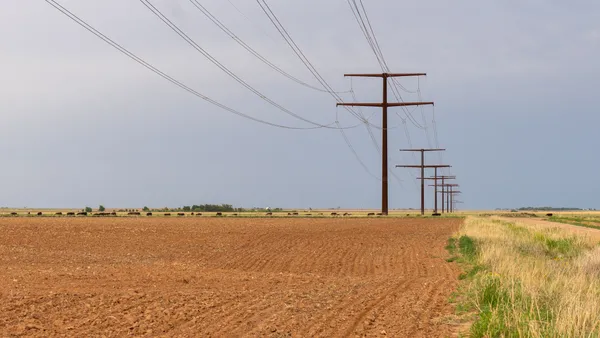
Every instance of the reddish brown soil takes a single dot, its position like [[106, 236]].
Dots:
[[225, 277]]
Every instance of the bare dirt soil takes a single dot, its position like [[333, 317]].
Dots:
[[93, 277]]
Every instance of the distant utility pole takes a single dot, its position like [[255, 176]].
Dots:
[[446, 191], [423, 166], [435, 190], [457, 202], [423, 174], [384, 129], [450, 192]]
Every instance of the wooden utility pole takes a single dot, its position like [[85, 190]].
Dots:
[[435, 190], [384, 129], [423, 174], [446, 187], [422, 167]]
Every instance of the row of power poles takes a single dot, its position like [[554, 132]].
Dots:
[[447, 189]]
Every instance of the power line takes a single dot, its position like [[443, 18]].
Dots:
[[157, 71], [367, 30], [250, 20], [227, 71], [286, 36], [251, 50]]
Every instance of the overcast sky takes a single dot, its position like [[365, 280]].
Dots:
[[514, 82]]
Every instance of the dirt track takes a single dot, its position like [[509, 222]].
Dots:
[[225, 277]]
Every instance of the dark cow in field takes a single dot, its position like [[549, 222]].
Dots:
[[379, 214], [199, 214], [58, 213], [113, 213], [83, 213], [180, 214], [148, 214], [13, 214], [70, 214], [39, 213], [308, 214], [295, 213], [269, 214], [549, 215], [234, 215], [436, 214], [219, 214], [192, 214], [134, 213], [334, 214], [371, 214], [167, 214]]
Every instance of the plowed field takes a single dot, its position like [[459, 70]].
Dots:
[[216, 277]]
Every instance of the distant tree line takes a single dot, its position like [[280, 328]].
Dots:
[[549, 209]]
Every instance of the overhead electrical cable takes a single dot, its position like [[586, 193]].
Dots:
[[226, 70], [251, 50], [160, 73]]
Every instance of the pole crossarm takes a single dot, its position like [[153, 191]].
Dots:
[[387, 74], [425, 149], [391, 104], [423, 166]]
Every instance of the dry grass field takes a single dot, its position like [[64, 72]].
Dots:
[[218, 277]]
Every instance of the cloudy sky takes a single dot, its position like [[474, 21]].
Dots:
[[514, 83]]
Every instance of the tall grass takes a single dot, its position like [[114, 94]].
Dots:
[[526, 281]]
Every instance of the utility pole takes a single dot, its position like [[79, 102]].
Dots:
[[384, 129], [435, 190], [423, 166], [451, 197], [446, 191], [423, 174]]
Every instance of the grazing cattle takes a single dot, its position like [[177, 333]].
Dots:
[[134, 213], [295, 213], [167, 214], [29, 213], [379, 214], [39, 213], [436, 214], [180, 214], [148, 214], [192, 214], [13, 214], [334, 214], [113, 213], [219, 214], [234, 214], [371, 214], [308, 214], [199, 214], [58, 213], [70, 214], [549, 215], [289, 214], [83, 213], [269, 214], [346, 214]]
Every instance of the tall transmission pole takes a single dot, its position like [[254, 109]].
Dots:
[[422, 167], [384, 129], [423, 150]]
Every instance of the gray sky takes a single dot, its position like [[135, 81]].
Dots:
[[513, 81]]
